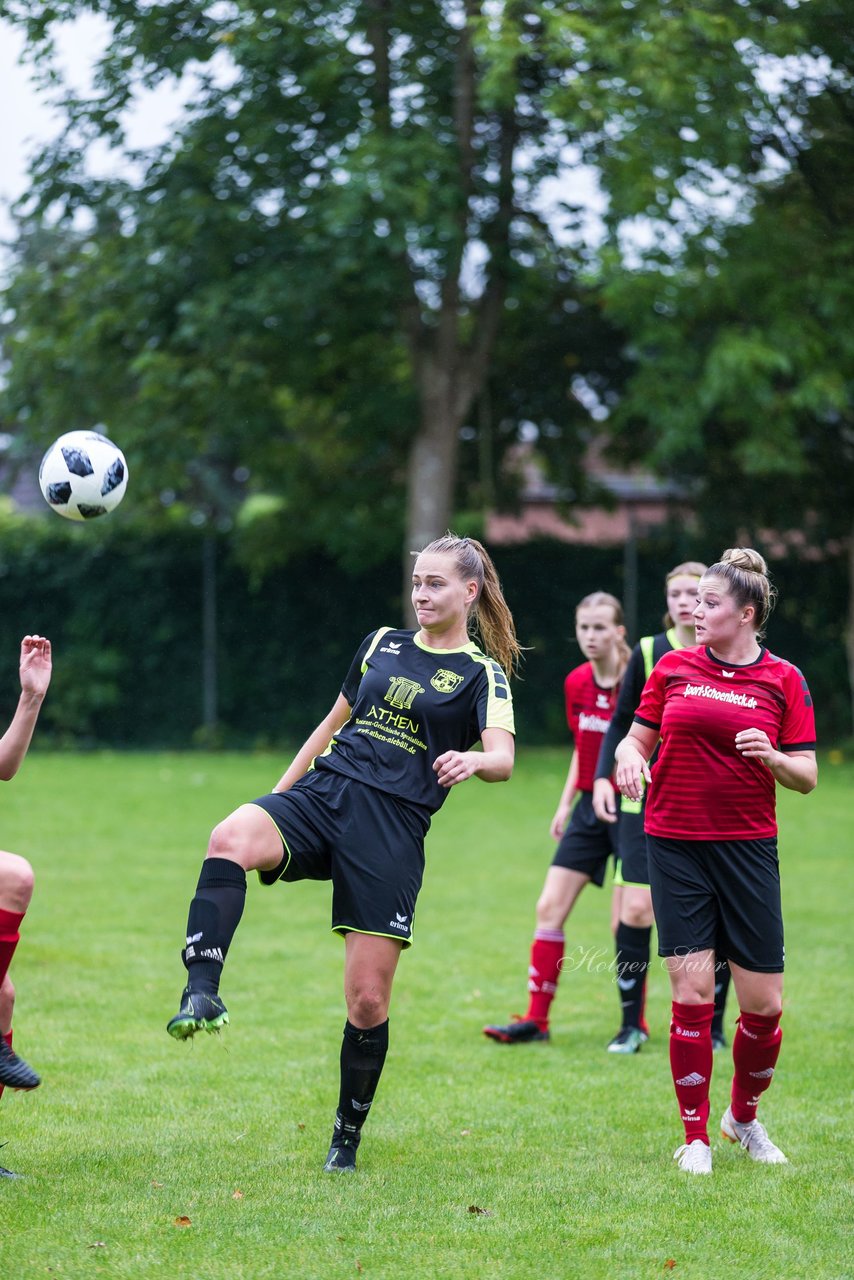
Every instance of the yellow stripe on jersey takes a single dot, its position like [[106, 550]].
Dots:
[[383, 631], [499, 705]]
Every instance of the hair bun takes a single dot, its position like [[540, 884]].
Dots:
[[745, 558]]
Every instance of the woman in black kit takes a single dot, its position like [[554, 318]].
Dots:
[[355, 805]]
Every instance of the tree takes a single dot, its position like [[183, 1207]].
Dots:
[[316, 270], [745, 355]]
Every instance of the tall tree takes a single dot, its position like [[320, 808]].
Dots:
[[745, 354], [315, 270]]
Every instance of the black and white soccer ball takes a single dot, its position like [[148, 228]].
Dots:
[[83, 475]]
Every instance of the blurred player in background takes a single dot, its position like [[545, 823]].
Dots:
[[635, 917], [734, 720], [585, 844], [16, 874], [356, 803]]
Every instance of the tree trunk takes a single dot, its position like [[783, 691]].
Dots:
[[430, 490]]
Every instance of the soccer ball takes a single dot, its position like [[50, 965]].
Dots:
[[83, 475]]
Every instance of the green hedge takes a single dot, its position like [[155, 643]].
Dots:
[[124, 613]]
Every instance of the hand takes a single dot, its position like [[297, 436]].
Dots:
[[631, 773], [604, 800], [558, 822], [454, 766], [36, 667], [755, 744]]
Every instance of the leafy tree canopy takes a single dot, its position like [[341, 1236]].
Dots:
[[311, 280]]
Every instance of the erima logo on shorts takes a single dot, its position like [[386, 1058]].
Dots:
[[396, 924]]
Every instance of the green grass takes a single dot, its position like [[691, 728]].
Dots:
[[565, 1147]]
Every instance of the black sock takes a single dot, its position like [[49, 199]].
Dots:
[[362, 1057], [632, 964], [214, 915], [722, 977]]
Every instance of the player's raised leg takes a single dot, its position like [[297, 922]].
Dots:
[[245, 841]]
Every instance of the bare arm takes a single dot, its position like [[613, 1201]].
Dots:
[[315, 744], [632, 771], [567, 796], [493, 764], [795, 770], [35, 671]]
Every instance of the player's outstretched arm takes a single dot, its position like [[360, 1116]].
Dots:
[[35, 672], [493, 764], [316, 743]]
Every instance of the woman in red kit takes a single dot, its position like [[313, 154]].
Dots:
[[16, 874], [585, 844], [734, 721]]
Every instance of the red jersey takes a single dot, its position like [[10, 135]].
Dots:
[[702, 787], [589, 708]]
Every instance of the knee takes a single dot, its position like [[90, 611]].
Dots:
[[770, 1006], [228, 839], [688, 988], [16, 883], [246, 837], [551, 913], [366, 1007], [637, 911]]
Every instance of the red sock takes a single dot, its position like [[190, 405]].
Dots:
[[543, 972], [691, 1065], [9, 924], [755, 1051], [7, 1036]]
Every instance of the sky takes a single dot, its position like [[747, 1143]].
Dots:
[[24, 118], [29, 121]]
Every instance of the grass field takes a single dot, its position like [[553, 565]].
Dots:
[[148, 1158]]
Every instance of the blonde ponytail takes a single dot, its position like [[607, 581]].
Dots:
[[489, 618]]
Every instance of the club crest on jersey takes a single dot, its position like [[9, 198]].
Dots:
[[402, 692], [445, 681]]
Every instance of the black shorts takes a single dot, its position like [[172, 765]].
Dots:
[[369, 844], [718, 895], [587, 843], [633, 869]]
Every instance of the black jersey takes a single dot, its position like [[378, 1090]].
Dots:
[[409, 705], [645, 655]]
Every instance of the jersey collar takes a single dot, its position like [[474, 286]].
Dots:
[[468, 647], [735, 666]]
